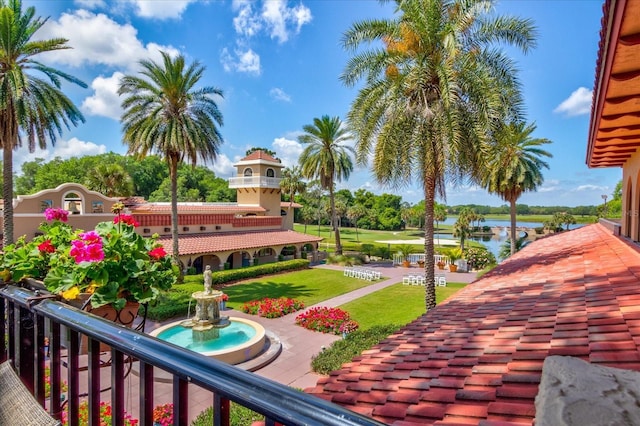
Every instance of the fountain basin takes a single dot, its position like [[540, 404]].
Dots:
[[241, 341]]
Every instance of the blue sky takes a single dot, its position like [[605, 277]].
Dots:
[[278, 63]]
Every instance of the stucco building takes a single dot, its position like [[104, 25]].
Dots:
[[258, 228]]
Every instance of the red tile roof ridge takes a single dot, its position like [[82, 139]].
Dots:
[[502, 327]]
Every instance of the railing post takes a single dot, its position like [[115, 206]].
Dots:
[[146, 393], [26, 337], [180, 402], [3, 332]]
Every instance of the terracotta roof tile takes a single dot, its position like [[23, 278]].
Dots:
[[477, 357], [210, 243]]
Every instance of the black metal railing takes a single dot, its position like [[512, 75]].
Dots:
[[33, 319]]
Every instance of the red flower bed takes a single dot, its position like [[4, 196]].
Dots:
[[326, 320], [272, 308]]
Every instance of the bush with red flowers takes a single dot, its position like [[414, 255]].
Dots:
[[272, 308], [113, 263], [326, 320]]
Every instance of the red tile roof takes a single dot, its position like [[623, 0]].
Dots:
[[208, 243], [195, 208], [477, 357], [260, 155]]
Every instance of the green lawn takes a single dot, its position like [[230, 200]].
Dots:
[[311, 286], [398, 304]]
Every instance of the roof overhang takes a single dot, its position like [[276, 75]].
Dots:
[[614, 130]]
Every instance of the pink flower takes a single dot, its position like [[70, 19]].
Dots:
[[56, 214], [46, 247], [158, 253], [91, 237], [126, 219], [83, 252]]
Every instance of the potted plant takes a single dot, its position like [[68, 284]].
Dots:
[[454, 254], [110, 266], [405, 250], [223, 301]]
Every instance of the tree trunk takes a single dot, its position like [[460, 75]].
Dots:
[[7, 193], [10, 135], [334, 219], [429, 250], [512, 212], [173, 174]]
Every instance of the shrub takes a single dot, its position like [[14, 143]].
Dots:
[[239, 416], [479, 257], [272, 308], [342, 351], [345, 260], [323, 319]]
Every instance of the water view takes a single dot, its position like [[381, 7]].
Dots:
[[494, 242]]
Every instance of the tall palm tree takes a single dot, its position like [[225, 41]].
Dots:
[[292, 184], [164, 113], [354, 213], [515, 167], [30, 108], [111, 180], [326, 158], [430, 95]]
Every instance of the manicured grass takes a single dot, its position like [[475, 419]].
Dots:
[[397, 304], [311, 286]]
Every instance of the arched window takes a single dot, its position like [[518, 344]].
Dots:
[[271, 173], [248, 172], [72, 202]]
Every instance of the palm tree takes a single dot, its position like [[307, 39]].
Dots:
[[165, 114], [292, 184], [30, 107], [327, 159], [111, 180], [432, 94], [439, 215], [515, 167], [354, 213]]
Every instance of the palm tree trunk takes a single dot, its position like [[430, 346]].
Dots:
[[7, 192], [334, 219], [173, 175], [429, 250], [512, 212], [9, 138]]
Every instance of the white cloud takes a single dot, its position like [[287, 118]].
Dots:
[[223, 166], [105, 100], [246, 23], [277, 17], [279, 95], [247, 61], [288, 151], [64, 149], [579, 103], [90, 4], [583, 188], [165, 9], [97, 39]]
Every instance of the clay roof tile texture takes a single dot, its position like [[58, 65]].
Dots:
[[477, 357]]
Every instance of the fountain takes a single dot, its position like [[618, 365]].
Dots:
[[229, 339]]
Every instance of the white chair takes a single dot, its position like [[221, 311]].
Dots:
[[441, 280], [406, 280]]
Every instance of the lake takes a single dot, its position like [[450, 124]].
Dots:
[[494, 242]]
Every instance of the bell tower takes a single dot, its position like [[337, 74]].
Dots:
[[258, 182]]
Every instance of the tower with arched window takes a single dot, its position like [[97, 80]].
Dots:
[[258, 182]]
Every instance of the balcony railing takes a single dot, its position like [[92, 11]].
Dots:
[[254, 182], [31, 317]]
